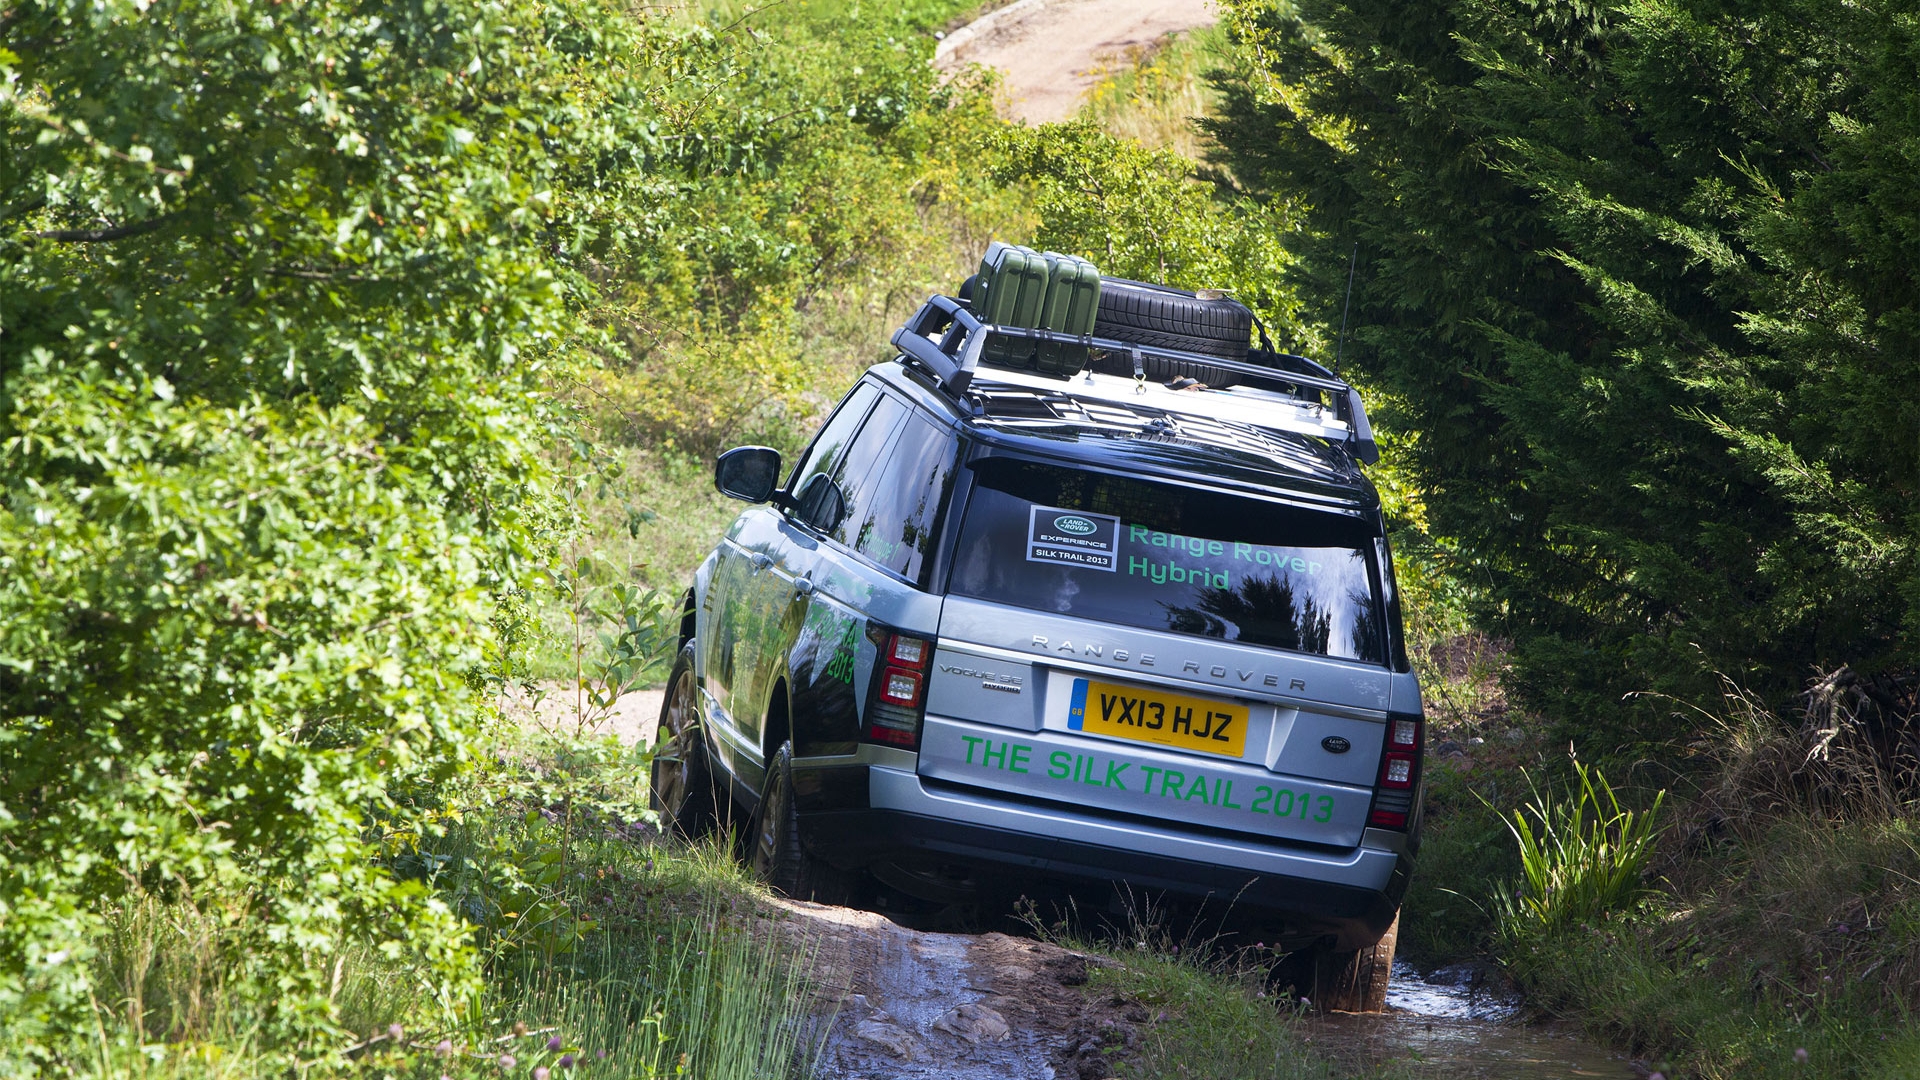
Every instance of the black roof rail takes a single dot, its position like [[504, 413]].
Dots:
[[948, 340]]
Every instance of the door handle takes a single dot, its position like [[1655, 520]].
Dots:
[[802, 586], [762, 560]]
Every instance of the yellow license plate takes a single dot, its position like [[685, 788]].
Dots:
[[1153, 716]]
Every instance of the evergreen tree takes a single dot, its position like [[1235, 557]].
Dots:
[[1642, 274]]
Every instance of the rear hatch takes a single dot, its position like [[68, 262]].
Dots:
[[1179, 654]]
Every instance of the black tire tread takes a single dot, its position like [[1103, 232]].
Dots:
[[1173, 319]]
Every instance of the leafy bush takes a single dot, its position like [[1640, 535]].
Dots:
[[830, 160], [1588, 857], [1141, 213], [276, 289]]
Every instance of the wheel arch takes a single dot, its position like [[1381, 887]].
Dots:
[[779, 726], [687, 620]]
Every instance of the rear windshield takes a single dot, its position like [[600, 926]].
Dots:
[[1164, 557]]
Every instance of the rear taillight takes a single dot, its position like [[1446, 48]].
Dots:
[[1399, 778], [898, 701]]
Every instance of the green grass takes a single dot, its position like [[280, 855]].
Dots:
[[1775, 933], [1583, 855], [1465, 851], [660, 957], [1205, 1023], [1152, 96], [920, 15]]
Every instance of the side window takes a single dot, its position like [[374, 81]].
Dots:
[[899, 513], [831, 443], [860, 466]]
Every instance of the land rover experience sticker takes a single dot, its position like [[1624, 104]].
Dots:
[[1073, 537]]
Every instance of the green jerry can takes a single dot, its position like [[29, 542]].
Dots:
[[1011, 291], [1072, 305]]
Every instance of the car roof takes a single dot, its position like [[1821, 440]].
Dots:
[[1090, 424]]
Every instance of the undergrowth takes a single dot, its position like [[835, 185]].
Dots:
[[634, 958]]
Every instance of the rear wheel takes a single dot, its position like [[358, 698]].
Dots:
[[683, 792], [777, 856], [1356, 981]]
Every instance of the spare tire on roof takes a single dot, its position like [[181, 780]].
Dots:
[[1169, 318]]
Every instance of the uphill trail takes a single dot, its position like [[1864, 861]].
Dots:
[[1051, 52]]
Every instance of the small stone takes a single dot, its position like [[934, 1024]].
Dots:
[[975, 1023], [891, 1038]]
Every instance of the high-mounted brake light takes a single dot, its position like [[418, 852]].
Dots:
[[1399, 777], [898, 701]]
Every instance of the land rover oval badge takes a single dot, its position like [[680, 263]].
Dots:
[[1334, 744], [1075, 526]]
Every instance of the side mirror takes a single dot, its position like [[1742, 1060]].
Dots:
[[748, 473], [821, 503]]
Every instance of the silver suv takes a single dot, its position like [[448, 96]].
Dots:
[[1104, 631]]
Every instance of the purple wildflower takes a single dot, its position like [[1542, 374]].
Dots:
[[506, 1061], [554, 1043]]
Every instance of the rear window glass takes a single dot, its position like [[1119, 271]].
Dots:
[[1163, 557]]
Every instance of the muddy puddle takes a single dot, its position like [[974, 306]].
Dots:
[[1460, 1024]]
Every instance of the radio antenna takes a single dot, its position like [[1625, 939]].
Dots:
[[1340, 346]]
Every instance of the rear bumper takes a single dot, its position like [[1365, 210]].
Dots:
[[1349, 894]]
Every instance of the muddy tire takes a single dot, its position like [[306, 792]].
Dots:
[[683, 791], [777, 855], [1356, 981]]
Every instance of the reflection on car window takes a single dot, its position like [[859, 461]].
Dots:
[[1163, 557], [900, 510], [860, 465], [829, 446]]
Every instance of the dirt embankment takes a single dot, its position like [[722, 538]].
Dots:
[[1051, 52]]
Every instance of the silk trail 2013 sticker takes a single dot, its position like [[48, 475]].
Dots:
[[1073, 538]]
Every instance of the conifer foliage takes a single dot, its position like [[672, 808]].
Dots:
[[1643, 275]]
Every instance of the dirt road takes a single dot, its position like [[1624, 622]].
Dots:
[[1052, 52]]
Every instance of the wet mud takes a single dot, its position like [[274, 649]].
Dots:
[[900, 1003]]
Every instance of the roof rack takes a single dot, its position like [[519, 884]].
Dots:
[[949, 341]]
